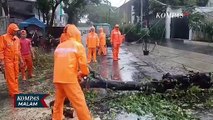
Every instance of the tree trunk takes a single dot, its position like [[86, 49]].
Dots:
[[43, 15], [6, 8], [202, 80], [52, 16], [39, 15]]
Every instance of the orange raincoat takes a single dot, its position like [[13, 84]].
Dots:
[[116, 41], [69, 56], [102, 38], [10, 55], [92, 44]]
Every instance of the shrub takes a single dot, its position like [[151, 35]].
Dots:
[[133, 33], [157, 32], [208, 30]]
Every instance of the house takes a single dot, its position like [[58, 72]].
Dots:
[[20, 10], [60, 19], [126, 11], [176, 22], [28, 9]]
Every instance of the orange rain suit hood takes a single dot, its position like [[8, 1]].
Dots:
[[10, 54], [65, 34]]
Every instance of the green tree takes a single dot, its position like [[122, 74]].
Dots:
[[45, 6], [102, 14], [4, 5], [76, 9]]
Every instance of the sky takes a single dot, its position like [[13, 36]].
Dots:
[[118, 3]]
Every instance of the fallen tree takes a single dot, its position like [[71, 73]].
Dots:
[[181, 82]]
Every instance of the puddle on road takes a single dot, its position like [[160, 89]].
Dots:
[[122, 70]]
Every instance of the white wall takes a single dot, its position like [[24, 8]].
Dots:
[[178, 13]]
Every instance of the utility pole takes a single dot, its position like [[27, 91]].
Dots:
[[141, 14], [147, 12]]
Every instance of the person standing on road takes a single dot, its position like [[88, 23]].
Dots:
[[69, 58], [10, 57], [116, 41], [27, 55], [92, 43], [102, 38]]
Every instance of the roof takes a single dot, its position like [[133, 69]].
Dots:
[[32, 21]]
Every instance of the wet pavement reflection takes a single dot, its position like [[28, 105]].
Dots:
[[121, 70]]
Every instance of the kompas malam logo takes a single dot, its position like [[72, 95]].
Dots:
[[30, 101], [172, 15]]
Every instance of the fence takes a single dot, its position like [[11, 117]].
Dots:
[[4, 21]]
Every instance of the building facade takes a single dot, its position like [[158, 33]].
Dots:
[[126, 11]]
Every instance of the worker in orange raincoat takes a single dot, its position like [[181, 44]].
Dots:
[[92, 44], [69, 57], [77, 34], [27, 55], [116, 41], [10, 57], [102, 38]]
